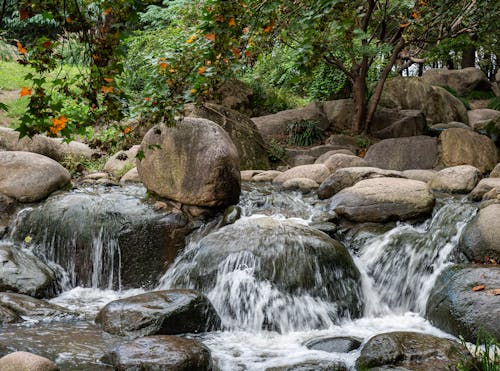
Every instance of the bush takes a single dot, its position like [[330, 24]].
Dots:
[[276, 152], [486, 351], [304, 132], [494, 103]]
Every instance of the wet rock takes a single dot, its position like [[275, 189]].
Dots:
[[29, 177], [231, 215], [316, 172], [242, 130], [412, 351], [24, 273], [121, 162], [455, 307], [161, 353], [419, 174], [266, 176], [456, 179], [463, 81], [480, 239], [312, 365], [196, 163], [383, 199], [465, 147], [8, 316], [301, 184], [484, 186], [26, 306], [338, 161], [168, 312], [338, 344], [347, 177], [24, 361], [418, 152]]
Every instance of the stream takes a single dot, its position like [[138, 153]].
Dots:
[[265, 325]]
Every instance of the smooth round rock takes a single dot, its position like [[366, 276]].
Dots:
[[302, 184], [483, 187], [456, 179], [339, 160], [315, 172], [24, 361], [338, 344]]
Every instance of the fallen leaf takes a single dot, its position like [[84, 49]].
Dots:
[[478, 288], [493, 292]]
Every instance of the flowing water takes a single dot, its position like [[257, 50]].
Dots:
[[272, 300]]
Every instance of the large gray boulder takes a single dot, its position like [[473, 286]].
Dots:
[[24, 361], [419, 152], [393, 123], [412, 351], [480, 116], [339, 114], [50, 147], [480, 240], [462, 81], [383, 199], [251, 147], [339, 161], [161, 353], [316, 172], [194, 163], [412, 93], [456, 179], [27, 307], [465, 147], [455, 307], [30, 177], [168, 312], [348, 176], [24, 273]]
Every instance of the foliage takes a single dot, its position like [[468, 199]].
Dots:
[[486, 351], [453, 92], [494, 103], [304, 132], [268, 99], [276, 151], [107, 138], [479, 95], [79, 166], [363, 141], [327, 81]]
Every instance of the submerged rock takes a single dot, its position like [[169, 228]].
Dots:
[[167, 312], [338, 344], [458, 306], [161, 353], [412, 351]]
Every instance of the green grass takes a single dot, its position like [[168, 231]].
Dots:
[[12, 75]]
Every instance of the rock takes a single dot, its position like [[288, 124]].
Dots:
[[302, 184], [251, 147], [301, 160], [247, 175], [196, 164], [24, 273], [316, 172], [495, 173], [131, 176], [266, 176], [437, 129], [121, 162], [283, 262], [318, 151], [418, 152], [7, 208], [480, 239], [483, 187], [412, 93], [161, 353], [49, 147], [24, 361], [321, 159], [383, 199], [168, 312], [412, 351], [30, 177], [26, 306], [96, 176], [339, 113], [319, 365], [338, 344], [456, 308], [348, 176], [419, 174], [8, 316], [456, 179], [463, 81], [465, 147], [275, 126], [393, 123], [342, 140], [231, 215], [338, 161], [234, 94], [117, 235], [478, 116]]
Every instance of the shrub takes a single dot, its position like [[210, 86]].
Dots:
[[276, 152], [494, 103], [304, 132]]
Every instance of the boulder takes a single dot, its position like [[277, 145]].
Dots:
[[454, 307], [301, 184], [483, 187], [275, 126], [30, 177], [339, 161], [321, 159], [24, 361], [393, 123], [419, 174], [348, 176], [419, 152], [8, 316], [50, 147], [437, 129], [495, 173], [456, 179], [28, 307], [339, 114], [480, 239], [266, 176], [121, 162], [161, 353], [168, 312], [131, 176], [412, 93], [465, 147], [463, 81], [194, 163], [479, 116], [412, 351], [316, 172], [234, 94], [318, 151], [383, 199], [247, 175], [251, 147], [337, 344], [24, 273], [7, 208], [300, 160], [342, 140]]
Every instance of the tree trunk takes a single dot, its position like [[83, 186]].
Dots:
[[360, 100], [468, 57]]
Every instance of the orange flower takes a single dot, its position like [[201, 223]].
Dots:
[[269, 27], [236, 52], [108, 79], [106, 89], [107, 11], [248, 54], [201, 70], [163, 65], [58, 123], [25, 91], [194, 91], [20, 48], [68, 20], [404, 25], [210, 36], [127, 130], [219, 18], [191, 39], [46, 44], [147, 98], [415, 15], [231, 22]]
